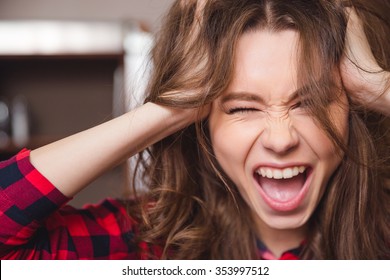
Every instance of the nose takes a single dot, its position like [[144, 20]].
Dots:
[[279, 135]]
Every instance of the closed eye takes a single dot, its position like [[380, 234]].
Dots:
[[300, 107], [241, 110], [296, 106]]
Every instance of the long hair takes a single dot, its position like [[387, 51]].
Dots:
[[191, 209]]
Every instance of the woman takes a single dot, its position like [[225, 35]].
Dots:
[[267, 140]]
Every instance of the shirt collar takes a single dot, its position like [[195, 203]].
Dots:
[[265, 254]]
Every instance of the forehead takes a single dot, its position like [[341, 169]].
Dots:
[[265, 63]]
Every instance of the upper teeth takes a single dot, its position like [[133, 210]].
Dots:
[[285, 173]]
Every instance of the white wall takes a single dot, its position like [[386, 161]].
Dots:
[[147, 11]]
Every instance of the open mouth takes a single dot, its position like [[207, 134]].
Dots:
[[283, 189]]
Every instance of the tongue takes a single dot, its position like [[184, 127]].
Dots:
[[284, 189]]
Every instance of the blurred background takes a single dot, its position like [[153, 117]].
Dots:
[[68, 65]]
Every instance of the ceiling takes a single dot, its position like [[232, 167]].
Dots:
[[149, 12]]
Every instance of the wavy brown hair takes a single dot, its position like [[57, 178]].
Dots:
[[192, 209]]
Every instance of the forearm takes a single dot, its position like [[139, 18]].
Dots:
[[72, 163]]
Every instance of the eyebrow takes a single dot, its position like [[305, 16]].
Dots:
[[248, 96]]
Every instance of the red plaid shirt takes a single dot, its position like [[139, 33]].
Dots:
[[35, 223]]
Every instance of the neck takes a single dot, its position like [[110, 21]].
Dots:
[[279, 241]]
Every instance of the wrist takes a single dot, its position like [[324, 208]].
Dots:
[[172, 119], [386, 93], [378, 85]]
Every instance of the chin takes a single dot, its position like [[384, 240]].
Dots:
[[286, 222]]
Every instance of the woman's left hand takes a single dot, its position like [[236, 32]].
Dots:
[[365, 81]]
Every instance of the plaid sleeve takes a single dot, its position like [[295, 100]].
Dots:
[[34, 224], [26, 199]]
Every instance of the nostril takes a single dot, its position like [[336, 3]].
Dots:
[[279, 140]]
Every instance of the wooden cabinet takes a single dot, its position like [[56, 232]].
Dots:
[[65, 92]]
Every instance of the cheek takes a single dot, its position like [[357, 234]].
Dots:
[[315, 137], [318, 141], [232, 140], [229, 142]]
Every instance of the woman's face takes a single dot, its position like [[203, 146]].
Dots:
[[265, 141]]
